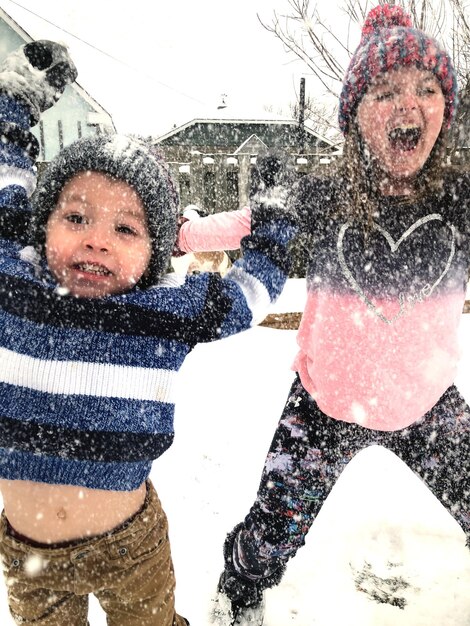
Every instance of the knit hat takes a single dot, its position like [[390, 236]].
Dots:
[[388, 42], [129, 159]]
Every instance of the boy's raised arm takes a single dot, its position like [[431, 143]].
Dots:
[[242, 298], [32, 79], [264, 268], [225, 229]]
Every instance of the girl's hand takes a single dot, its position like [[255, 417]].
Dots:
[[177, 252]]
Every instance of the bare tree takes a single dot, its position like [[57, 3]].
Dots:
[[319, 116], [326, 48], [460, 38]]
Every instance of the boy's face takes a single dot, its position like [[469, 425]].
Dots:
[[400, 118], [97, 239]]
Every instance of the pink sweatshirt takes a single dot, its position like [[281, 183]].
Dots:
[[379, 333]]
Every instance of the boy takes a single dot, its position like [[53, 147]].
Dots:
[[91, 340]]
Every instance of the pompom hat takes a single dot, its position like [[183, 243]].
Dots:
[[389, 42], [129, 159]]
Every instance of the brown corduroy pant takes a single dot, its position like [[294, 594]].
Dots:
[[129, 570]]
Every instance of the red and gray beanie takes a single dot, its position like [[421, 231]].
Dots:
[[389, 42], [130, 159]]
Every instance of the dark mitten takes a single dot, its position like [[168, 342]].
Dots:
[[272, 180], [272, 170], [37, 73]]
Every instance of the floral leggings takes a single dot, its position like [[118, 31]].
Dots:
[[310, 450]]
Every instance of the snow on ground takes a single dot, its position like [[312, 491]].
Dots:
[[381, 531]]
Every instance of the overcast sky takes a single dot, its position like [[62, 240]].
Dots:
[[169, 62]]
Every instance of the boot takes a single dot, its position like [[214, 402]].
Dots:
[[240, 599], [238, 602]]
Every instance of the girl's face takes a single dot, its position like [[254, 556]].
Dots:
[[97, 239], [400, 118]]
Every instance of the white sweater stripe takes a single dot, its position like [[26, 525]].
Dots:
[[85, 378], [256, 294], [11, 175]]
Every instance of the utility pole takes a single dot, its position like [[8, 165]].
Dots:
[[223, 101], [302, 116]]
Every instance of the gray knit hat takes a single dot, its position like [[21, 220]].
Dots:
[[129, 159]]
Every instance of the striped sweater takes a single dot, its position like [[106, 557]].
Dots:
[[86, 385]]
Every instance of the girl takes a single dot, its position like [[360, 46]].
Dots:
[[386, 285]]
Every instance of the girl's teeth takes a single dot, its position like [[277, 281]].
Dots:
[[405, 137]]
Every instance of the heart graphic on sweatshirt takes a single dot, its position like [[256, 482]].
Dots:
[[394, 246]]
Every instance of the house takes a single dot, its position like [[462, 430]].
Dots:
[[211, 158], [75, 115]]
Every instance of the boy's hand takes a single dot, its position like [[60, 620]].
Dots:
[[271, 181], [272, 169], [37, 73]]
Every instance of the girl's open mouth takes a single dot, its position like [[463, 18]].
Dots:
[[404, 138]]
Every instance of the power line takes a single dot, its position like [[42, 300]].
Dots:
[[110, 56]]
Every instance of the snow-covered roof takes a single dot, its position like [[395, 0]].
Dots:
[[232, 133]]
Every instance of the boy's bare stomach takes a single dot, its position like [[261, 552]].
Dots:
[[55, 513]]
